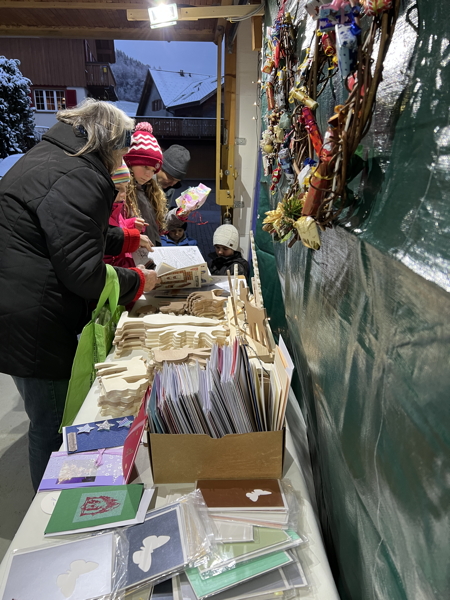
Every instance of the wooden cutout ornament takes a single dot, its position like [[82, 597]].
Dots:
[[176, 308]]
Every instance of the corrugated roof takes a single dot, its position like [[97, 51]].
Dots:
[[180, 87]]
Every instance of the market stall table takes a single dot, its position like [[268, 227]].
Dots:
[[312, 554]]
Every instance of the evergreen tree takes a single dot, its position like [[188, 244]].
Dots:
[[16, 116], [130, 75]]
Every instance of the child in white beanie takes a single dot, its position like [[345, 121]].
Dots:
[[226, 243]]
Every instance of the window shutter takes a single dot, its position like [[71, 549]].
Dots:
[[71, 98]]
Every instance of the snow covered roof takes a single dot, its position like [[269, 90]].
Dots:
[[129, 108], [177, 88]]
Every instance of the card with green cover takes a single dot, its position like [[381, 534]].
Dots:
[[90, 508], [266, 540], [241, 572]]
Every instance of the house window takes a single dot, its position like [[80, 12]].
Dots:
[[51, 100], [157, 105]]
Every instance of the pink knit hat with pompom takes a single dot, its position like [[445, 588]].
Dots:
[[144, 149]]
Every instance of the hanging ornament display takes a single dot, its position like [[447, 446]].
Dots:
[[351, 40]]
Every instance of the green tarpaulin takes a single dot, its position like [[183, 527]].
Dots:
[[368, 317]]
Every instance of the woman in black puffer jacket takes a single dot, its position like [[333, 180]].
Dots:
[[55, 205]]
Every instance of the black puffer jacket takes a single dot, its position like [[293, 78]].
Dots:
[[219, 265], [54, 212]]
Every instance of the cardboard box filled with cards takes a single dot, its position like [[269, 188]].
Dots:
[[219, 382]]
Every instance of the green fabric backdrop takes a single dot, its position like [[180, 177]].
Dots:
[[368, 316]]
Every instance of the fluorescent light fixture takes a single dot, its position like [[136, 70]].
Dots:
[[163, 15]]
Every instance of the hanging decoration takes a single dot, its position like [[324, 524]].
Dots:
[[351, 41]]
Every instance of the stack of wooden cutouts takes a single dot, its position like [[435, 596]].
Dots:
[[167, 332], [122, 386], [209, 304], [206, 304], [180, 355]]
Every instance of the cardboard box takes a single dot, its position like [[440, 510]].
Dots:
[[185, 458]]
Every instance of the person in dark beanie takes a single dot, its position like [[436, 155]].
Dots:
[[175, 166]]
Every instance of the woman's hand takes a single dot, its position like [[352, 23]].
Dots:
[[146, 243], [140, 224], [151, 278]]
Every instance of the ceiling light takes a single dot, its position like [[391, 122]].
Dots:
[[163, 15]]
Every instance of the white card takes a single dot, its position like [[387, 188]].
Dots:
[[77, 570]]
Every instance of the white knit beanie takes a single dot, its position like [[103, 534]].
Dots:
[[226, 235]]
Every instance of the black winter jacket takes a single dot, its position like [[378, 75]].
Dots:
[[54, 212], [219, 265]]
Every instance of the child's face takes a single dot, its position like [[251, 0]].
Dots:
[[223, 250], [165, 180], [143, 173], [176, 234], [122, 191]]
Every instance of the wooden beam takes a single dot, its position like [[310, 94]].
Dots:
[[173, 34], [204, 12], [219, 172], [257, 33], [225, 193], [107, 5]]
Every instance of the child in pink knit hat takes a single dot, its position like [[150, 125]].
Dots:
[[132, 227], [145, 198]]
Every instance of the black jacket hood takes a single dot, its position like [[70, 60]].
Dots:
[[64, 136]]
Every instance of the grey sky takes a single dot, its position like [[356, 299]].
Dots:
[[192, 57]]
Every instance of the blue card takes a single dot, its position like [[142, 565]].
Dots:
[[109, 433], [156, 546]]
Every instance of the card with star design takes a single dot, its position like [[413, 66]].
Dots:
[[109, 433]]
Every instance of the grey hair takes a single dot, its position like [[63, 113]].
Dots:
[[106, 127]]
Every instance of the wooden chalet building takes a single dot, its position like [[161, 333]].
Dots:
[[62, 72]]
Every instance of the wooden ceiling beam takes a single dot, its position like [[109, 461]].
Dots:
[[72, 5], [173, 34], [205, 12]]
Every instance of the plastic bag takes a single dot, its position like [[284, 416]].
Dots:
[[170, 539], [287, 518], [266, 541], [91, 567], [93, 346], [258, 578]]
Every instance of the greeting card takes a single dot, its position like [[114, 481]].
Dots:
[[242, 572], [108, 433], [88, 509], [266, 540], [156, 546], [245, 494], [78, 570], [133, 440], [83, 469], [271, 584], [162, 591]]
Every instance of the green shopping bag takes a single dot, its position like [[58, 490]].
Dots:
[[93, 346]]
